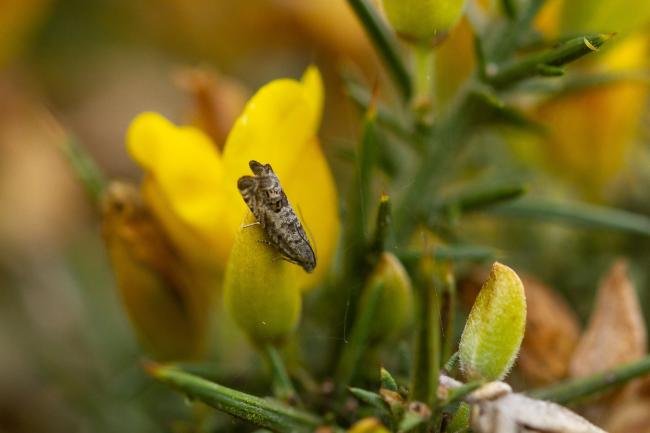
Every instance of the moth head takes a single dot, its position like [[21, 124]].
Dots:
[[260, 169], [246, 184]]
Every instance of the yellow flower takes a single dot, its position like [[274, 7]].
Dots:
[[167, 305], [192, 186], [591, 131]]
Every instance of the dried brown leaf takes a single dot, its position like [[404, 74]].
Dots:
[[616, 333], [552, 333]]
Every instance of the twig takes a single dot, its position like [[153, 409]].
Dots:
[[573, 390], [544, 63], [282, 386], [385, 44], [85, 168], [353, 351], [579, 214], [268, 414]]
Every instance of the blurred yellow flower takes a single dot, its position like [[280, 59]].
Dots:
[[166, 304], [192, 186], [591, 131]]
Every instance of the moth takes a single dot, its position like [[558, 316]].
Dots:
[[266, 199]]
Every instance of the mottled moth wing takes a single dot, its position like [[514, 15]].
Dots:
[[266, 199]]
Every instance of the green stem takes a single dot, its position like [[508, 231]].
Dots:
[[282, 386], [574, 390], [426, 357], [382, 226], [422, 101], [85, 168], [264, 413], [387, 118], [356, 346], [457, 394], [481, 196], [385, 44], [475, 253], [448, 284], [546, 62], [579, 214]]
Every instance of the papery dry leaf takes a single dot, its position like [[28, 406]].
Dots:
[[631, 416], [552, 333], [630, 411], [616, 333], [496, 409]]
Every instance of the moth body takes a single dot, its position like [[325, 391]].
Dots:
[[266, 199]]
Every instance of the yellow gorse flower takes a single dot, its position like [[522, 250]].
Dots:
[[192, 187]]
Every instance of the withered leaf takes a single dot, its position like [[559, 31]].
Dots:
[[552, 332], [616, 333]]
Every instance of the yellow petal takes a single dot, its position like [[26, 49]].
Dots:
[[311, 191], [185, 186], [276, 125], [279, 127]]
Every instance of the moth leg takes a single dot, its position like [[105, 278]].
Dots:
[[245, 226]]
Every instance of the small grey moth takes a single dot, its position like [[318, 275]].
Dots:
[[264, 196]]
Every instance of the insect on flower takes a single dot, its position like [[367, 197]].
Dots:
[[264, 196]]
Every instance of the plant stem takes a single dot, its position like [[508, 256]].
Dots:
[[385, 44], [426, 357], [386, 117], [353, 351], [382, 225], [574, 390], [448, 311], [476, 253], [264, 413], [482, 196], [85, 168], [282, 386], [536, 64], [579, 214], [422, 101]]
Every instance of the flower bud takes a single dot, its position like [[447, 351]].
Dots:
[[261, 289], [368, 425], [495, 326], [421, 21], [166, 304], [394, 308]]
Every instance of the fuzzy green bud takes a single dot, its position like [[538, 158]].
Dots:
[[394, 307], [261, 290], [421, 21], [495, 326]]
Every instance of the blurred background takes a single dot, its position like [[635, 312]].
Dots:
[[80, 70]]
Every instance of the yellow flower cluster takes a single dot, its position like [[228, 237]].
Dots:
[[190, 187]]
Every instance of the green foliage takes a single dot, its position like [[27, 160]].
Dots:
[[402, 254]]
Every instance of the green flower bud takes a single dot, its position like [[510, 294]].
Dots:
[[261, 290], [495, 326], [423, 20], [394, 308]]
